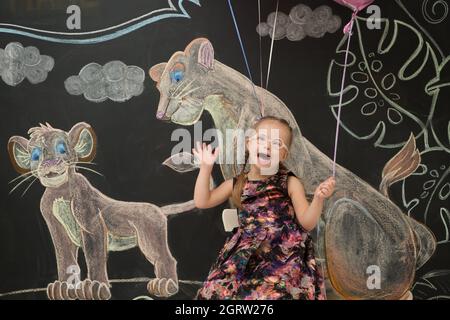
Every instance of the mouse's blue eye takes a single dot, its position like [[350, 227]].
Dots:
[[35, 154], [61, 148], [176, 76]]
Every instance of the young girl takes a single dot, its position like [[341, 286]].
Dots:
[[270, 255]]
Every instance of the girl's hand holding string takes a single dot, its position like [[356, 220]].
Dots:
[[325, 189]]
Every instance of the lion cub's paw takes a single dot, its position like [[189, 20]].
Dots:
[[93, 290], [162, 287], [84, 290], [61, 290]]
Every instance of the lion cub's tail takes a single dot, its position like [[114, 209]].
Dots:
[[178, 207]]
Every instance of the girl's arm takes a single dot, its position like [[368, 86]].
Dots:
[[308, 214], [204, 197]]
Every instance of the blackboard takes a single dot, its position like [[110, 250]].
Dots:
[[132, 143]]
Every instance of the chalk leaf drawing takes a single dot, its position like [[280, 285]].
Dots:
[[181, 162], [378, 83], [378, 105], [425, 194], [171, 11], [18, 63], [115, 80], [302, 21], [439, 87], [80, 216], [363, 227]]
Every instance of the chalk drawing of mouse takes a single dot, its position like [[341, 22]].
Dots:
[[363, 230], [80, 216]]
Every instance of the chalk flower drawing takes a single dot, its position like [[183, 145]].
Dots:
[[114, 80], [18, 63], [302, 21]]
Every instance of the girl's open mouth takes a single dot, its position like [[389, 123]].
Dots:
[[264, 158]]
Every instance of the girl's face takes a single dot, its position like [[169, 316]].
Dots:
[[267, 147]]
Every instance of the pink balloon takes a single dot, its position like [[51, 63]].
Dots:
[[355, 5]]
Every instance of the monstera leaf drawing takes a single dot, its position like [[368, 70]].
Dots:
[[384, 67], [425, 194], [439, 87]]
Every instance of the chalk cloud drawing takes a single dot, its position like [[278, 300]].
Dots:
[[172, 11], [115, 80], [302, 21], [18, 63], [80, 216], [361, 226]]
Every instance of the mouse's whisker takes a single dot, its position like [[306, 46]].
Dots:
[[186, 87], [88, 169], [189, 92], [22, 175], [81, 162], [177, 88], [21, 182], [31, 183]]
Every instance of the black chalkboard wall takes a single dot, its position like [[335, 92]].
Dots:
[[132, 143]]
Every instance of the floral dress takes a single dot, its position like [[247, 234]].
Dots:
[[269, 256]]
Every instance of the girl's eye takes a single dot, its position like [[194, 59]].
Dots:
[[262, 139], [35, 154], [277, 143], [176, 76], [61, 148]]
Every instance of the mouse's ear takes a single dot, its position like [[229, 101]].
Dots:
[[156, 71], [19, 154], [202, 49], [83, 140]]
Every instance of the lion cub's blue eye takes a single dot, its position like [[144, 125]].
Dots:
[[35, 154], [61, 148], [176, 76]]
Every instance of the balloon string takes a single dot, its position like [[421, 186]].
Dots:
[[260, 45], [271, 45], [260, 59], [348, 30], [240, 40], [243, 52]]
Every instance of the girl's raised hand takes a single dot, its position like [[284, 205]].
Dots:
[[325, 189], [205, 154]]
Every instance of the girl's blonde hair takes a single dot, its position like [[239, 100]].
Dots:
[[241, 179]]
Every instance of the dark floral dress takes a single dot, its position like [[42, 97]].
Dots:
[[270, 256]]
